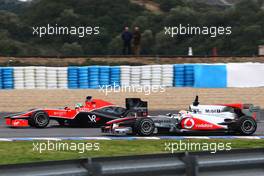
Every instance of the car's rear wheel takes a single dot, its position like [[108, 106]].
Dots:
[[144, 126], [39, 119], [247, 126]]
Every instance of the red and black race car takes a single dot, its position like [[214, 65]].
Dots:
[[231, 118], [94, 113]]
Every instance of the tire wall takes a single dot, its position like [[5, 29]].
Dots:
[[95, 77]]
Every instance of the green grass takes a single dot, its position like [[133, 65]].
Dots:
[[22, 152]]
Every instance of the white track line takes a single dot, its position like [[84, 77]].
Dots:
[[129, 138]]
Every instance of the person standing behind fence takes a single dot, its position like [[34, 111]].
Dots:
[[136, 41], [127, 37]]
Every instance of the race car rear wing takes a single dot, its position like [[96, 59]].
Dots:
[[136, 105], [252, 111]]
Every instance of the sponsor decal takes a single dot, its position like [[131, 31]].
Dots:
[[19, 122], [196, 110], [59, 113], [204, 125], [16, 123], [92, 118], [188, 123], [212, 110], [83, 109]]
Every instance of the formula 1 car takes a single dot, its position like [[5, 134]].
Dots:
[[94, 113], [231, 118]]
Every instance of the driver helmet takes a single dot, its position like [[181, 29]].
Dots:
[[78, 105], [183, 112]]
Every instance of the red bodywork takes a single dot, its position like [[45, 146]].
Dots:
[[16, 122], [195, 124], [238, 105], [241, 106], [21, 119]]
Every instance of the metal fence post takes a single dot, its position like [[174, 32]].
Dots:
[[93, 169], [191, 165]]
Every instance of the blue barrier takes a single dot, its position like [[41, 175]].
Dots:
[[178, 75], [210, 76], [1, 84], [94, 77], [183, 75], [83, 77], [7, 78], [189, 75], [115, 73], [73, 78], [104, 75]]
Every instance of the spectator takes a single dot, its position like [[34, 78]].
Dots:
[[127, 37], [136, 41]]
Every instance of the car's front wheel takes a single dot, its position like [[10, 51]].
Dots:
[[39, 119], [144, 126], [247, 126]]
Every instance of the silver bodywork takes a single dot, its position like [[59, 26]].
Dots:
[[216, 117]]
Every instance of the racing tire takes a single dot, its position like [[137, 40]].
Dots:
[[247, 125], [144, 127], [39, 119]]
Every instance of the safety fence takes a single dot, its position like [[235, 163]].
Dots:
[[234, 162], [92, 77], [154, 75], [6, 78], [40, 77]]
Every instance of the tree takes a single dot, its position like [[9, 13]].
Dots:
[[147, 42], [163, 45], [142, 22], [10, 47], [72, 49], [168, 4], [68, 17], [182, 15], [245, 18], [115, 46]]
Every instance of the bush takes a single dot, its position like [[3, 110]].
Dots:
[[72, 49]]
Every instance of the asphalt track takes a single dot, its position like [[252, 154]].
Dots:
[[54, 130]]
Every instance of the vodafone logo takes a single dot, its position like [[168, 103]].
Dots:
[[204, 126], [188, 123]]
